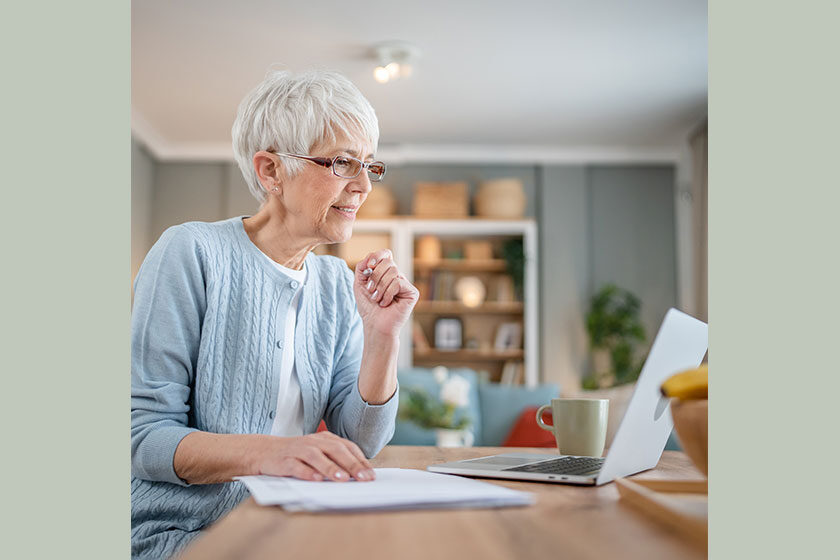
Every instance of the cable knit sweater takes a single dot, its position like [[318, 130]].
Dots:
[[206, 347]]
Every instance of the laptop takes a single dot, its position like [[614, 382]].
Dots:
[[637, 446]]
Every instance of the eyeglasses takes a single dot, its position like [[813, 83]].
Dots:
[[345, 167]]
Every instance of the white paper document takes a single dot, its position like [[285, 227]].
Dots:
[[392, 489]]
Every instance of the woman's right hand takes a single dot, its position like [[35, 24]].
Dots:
[[318, 456]]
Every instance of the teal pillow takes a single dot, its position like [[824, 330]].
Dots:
[[409, 433], [673, 443], [501, 406]]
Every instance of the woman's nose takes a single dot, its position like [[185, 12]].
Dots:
[[361, 183]]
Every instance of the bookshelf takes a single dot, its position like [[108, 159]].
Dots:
[[480, 323], [491, 307], [461, 265]]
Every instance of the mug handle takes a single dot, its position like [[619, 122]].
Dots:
[[540, 422]]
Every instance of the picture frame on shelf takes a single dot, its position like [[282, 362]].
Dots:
[[421, 343], [508, 336], [449, 333]]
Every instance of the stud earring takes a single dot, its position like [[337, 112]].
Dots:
[[275, 189]]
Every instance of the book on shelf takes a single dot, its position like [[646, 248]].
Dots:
[[421, 343], [512, 372], [422, 285], [441, 284]]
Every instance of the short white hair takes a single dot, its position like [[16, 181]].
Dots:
[[291, 113]]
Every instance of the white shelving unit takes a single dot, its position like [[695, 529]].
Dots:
[[404, 230]]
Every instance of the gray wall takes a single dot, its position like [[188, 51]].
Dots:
[[142, 187], [633, 236], [565, 273], [597, 224], [198, 191], [185, 192]]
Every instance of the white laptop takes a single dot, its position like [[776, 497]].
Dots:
[[680, 344]]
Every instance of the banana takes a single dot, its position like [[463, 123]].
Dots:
[[689, 384]]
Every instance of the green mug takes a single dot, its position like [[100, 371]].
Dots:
[[579, 425]]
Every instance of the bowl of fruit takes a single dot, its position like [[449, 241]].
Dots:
[[689, 394]]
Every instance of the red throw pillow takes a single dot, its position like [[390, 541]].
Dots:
[[322, 427], [526, 432]]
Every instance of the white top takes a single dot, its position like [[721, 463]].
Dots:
[[288, 421]]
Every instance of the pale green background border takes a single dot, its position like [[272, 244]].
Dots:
[[773, 278], [64, 286]]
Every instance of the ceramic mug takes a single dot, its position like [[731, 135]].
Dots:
[[579, 425]]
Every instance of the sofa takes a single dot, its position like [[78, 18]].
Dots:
[[493, 408]]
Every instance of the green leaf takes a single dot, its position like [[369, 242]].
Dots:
[[417, 406], [613, 323]]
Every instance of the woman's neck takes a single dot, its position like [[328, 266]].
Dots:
[[268, 230]]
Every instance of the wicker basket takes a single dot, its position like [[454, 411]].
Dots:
[[478, 250], [380, 203], [500, 198], [441, 200]]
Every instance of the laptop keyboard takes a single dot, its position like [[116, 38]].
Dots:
[[563, 465]]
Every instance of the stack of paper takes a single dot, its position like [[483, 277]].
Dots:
[[392, 489]]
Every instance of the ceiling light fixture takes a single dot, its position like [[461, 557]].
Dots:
[[395, 60]]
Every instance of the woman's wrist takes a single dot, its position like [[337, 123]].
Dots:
[[378, 374], [209, 458], [383, 340], [257, 454]]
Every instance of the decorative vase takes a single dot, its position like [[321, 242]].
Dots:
[[500, 198], [453, 438], [429, 249], [601, 361]]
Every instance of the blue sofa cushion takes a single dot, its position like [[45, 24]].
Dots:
[[408, 433], [673, 443], [501, 405]]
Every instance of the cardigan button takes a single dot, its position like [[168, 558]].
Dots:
[[279, 344], [271, 415], [293, 284]]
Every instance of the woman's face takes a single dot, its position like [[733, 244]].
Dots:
[[321, 205]]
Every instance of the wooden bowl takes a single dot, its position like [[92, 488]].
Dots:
[[691, 420]]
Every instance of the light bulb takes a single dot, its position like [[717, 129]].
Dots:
[[381, 74], [393, 69], [470, 290]]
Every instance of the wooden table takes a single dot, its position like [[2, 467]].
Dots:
[[566, 522]]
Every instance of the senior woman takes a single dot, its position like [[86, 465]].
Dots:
[[243, 339]]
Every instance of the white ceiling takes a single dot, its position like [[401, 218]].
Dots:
[[613, 76]]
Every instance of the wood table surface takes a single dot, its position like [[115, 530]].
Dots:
[[566, 522]]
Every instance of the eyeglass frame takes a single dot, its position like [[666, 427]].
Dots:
[[330, 163]]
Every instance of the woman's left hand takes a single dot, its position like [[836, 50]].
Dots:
[[384, 296]]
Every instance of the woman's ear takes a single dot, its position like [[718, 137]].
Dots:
[[269, 170]]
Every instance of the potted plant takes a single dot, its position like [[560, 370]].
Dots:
[[440, 414], [615, 334], [513, 252]]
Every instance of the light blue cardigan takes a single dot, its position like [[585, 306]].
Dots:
[[206, 346]]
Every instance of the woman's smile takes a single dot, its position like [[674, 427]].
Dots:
[[346, 212]]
